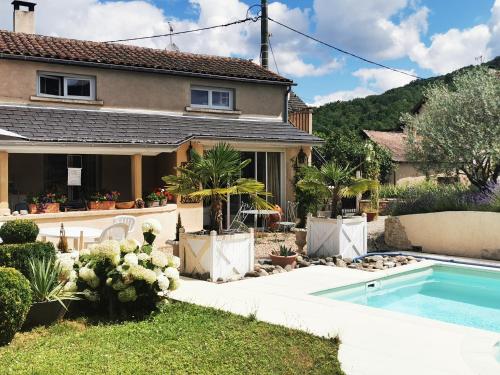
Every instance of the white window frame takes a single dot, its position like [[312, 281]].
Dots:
[[65, 78], [210, 91]]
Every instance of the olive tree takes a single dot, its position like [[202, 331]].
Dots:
[[458, 128]]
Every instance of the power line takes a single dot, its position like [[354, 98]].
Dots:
[[274, 58], [244, 20], [343, 51]]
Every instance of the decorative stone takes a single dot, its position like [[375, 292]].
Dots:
[[330, 264], [340, 263], [263, 272], [289, 268], [252, 274]]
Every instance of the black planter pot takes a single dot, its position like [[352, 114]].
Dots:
[[45, 313]]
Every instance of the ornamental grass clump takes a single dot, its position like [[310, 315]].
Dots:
[[126, 276]]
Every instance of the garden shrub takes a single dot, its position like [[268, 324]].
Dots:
[[18, 255], [15, 297], [19, 231]]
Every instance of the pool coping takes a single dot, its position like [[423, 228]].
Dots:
[[388, 342]]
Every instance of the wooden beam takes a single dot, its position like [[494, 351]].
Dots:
[[4, 182], [136, 166]]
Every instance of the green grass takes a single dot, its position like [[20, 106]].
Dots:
[[182, 339]]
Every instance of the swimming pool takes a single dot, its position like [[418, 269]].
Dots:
[[459, 295]]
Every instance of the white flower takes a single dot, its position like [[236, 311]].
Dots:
[[109, 249], [129, 245], [66, 262], [87, 274], [131, 259], [143, 257], [70, 286], [151, 225], [174, 261], [172, 273], [73, 275], [163, 282], [159, 258], [141, 273], [158, 271], [174, 284], [109, 281]]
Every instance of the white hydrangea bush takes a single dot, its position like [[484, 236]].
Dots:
[[127, 272]]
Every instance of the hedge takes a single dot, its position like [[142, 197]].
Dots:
[[19, 231], [15, 294], [17, 255]]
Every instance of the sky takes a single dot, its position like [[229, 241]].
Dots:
[[422, 37]]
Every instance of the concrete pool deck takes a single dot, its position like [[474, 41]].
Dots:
[[373, 341]]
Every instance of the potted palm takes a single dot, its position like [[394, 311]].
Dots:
[[284, 257], [214, 176], [335, 235], [51, 296]]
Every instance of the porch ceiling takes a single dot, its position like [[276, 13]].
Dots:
[[127, 129]]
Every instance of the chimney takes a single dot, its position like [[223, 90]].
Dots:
[[24, 17]]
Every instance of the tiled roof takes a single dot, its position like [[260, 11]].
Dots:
[[395, 142], [94, 127], [113, 55], [295, 103]]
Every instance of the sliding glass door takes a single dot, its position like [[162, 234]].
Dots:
[[265, 167]]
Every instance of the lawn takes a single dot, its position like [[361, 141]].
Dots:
[[182, 339]]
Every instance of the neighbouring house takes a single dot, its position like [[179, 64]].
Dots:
[[299, 113], [405, 172], [125, 116]]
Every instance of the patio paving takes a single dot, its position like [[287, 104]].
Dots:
[[373, 341]]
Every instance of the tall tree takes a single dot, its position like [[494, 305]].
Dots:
[[458, 127]]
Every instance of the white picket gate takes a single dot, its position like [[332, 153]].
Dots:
[[223, 256], [341, 236]]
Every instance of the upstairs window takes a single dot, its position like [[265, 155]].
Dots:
[[61, 86], [203, 97]]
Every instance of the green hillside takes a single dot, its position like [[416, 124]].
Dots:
[[378, 112]]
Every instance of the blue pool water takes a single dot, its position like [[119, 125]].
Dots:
[[460, 295]]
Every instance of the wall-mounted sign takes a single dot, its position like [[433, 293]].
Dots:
[[74, 176]]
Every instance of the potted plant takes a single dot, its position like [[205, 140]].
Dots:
[[372, 211], [164, 196], [103, 201], [46, 203], [335, 235], [284, 257], [175, 243], [51, 296], [152, 200], [214, 176]]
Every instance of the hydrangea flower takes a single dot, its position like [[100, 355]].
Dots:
[[151, 226], [118, 285], [129, 245], [163, 282], [159, 258], [143, 257], [172, 273], [174, 284], [141, 273], [71, 287], [174, 261], [109, 249], [131, 259], [127, 295]]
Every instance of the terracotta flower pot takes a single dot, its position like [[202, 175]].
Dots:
[[45, 313], [102, 205], [300, 239], [371, 215], [282, 261], [125, 205], [48, 208]]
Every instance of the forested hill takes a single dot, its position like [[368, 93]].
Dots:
[[378, 112]]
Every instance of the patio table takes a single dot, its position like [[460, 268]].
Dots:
[[264, 213], [77, 234]]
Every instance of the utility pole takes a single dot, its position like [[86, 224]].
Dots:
[[264, 36]]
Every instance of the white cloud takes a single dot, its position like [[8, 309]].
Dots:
[[358, 92], [109, 20], [368, 27], [453, 49], [372, 81]]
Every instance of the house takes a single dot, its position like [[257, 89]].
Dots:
[[405, 172], [124, 116], [299, 113]]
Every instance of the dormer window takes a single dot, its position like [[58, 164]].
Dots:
[[66, 86], [213, 98]]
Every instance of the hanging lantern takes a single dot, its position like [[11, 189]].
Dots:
[[189, 151], [301, 158]]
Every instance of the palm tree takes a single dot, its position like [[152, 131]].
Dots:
[[214, 176], [332, 180]]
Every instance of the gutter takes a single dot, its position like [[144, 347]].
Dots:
[[52, 60]]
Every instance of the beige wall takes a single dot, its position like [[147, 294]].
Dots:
[[461, 233], [406, 173], [290, 156], [136, 90]]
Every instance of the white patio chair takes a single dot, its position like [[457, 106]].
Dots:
[[115, 232], [290, 216], [238, 223], [126, 219]]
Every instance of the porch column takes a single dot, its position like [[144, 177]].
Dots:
[[4, 183], [136, 165]]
